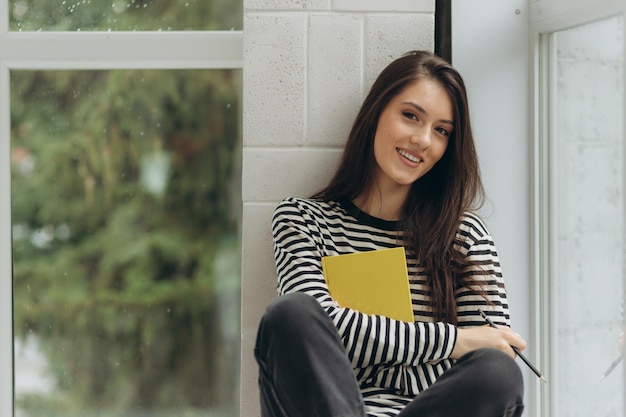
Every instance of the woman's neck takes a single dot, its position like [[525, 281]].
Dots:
[[387, 205]]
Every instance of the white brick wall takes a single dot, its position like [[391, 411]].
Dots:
[[307, 67]]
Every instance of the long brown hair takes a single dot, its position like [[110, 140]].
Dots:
[[437, 201]]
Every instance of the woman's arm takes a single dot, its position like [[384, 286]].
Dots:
[[369, 339], [484, 269]]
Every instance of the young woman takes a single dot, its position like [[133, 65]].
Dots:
[[409, 177]]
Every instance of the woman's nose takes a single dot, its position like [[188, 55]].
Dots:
[[421, 138]]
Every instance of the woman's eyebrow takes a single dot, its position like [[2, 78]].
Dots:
[[423, 111]]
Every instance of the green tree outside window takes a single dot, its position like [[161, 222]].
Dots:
[[126, 221]]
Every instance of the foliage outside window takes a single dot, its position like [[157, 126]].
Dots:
[[125, 211], [125, 235], [97, 15]]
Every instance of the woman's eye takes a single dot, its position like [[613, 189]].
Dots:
[[410, 115], [442, 131]]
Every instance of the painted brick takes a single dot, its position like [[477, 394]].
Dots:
[[258, 288], [304, 72], [274, 79], [273, 174], [259, 270], [257, 251], [334, 76], [384, 6], [388, 36], [288, 5]]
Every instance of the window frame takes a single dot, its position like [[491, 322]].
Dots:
[[84, 51], [546, 18]]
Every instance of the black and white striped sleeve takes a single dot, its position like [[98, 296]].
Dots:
[[484, 268]]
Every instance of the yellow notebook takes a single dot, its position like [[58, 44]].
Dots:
[[374, 282]]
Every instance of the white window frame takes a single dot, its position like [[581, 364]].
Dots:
[[547, 17], [84, 51]]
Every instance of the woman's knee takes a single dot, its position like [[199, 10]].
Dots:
[[497, 372], [291, 307], [289, 313], [290, 324]]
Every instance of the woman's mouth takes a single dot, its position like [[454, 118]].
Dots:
[[408, 156]]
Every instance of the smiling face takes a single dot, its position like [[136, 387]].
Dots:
[[412, 134]]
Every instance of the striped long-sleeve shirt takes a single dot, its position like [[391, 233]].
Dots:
[[392, 360]]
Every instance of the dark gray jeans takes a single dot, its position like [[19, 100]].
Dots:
[[304, 371]]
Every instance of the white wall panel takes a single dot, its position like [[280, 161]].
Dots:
[[490, 49]]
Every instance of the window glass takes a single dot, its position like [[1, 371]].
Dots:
[[125, 15], [126, 215], [588, 170]]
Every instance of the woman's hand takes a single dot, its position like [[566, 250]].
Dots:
[[472, 338]]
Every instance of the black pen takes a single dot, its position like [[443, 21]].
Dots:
[[522, 357], [613, 365]]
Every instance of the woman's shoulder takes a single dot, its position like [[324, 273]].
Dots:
[[473, 226], [306, 203], [296, 206]]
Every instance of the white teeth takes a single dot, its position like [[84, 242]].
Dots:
[[409, 156]]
